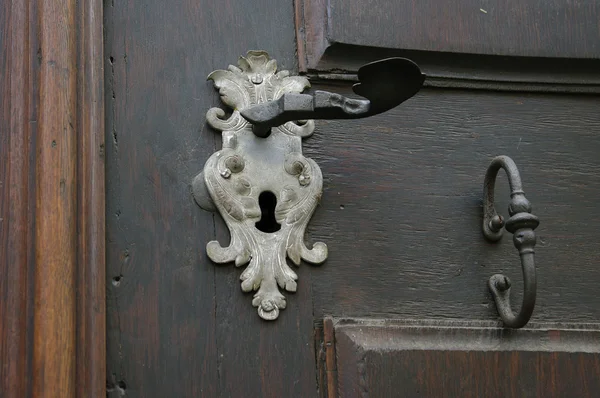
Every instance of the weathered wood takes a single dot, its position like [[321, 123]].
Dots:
[[266, 359], [17, 127], [532, 28], [54, 319], [52, 177], [508, 46], [470, 71], [400, 212], [330, 357], [178, 325], [310, 18], [91, 261], [448, 359], [401, 207]]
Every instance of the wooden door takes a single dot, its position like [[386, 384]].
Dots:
[[401, 307], [404, 296]]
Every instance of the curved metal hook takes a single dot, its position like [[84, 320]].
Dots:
[[385, 83], [521, 224]]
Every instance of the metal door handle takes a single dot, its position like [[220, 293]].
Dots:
[[385, 83], [261, 183], [521, 224]]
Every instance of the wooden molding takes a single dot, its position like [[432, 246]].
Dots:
[[91, 308], [330, 357], [52, 321], [55, 269], [334, 40], [311, 32], [510, 28], [366, 352], [16, 206]]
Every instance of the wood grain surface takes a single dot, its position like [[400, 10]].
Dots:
[[52, 316], [401, 210], [91, 227], [470, 71], [533, 45], [178, 325], [532, 28], [56, 204], [17, 165], [450, 359]]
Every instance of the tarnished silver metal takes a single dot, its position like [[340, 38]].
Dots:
[[260, 182], [249, 170], [521, 224]]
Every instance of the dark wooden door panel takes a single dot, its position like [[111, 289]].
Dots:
[[179, 326], [532, 28], [459, 359], [526, 28], [401, 209]]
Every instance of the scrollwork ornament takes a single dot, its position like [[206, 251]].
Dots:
[[246, 167]]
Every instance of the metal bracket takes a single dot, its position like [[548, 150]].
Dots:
[[261, 184]]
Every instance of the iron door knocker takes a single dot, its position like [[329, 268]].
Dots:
[[521, 224]]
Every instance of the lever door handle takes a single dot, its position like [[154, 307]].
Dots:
[[521, 224], [385, 84], [261, 183]]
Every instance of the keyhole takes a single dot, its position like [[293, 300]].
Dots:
[[267, 202]]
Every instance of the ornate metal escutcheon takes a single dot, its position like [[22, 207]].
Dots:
[[261, 184]]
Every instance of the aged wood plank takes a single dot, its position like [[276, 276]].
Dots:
[[533, 45], [91, 275], [330, 357], [532, 28], [310, 18], [171, 312], [471, 71], [447, 359], [160, 293], [401, 208], [17, 127], [56, 204], [267, 359], [52, 179]]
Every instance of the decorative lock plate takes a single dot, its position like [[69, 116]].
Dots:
[[250, 171], [261, 184]]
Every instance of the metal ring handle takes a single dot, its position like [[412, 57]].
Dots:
[[521, 224]]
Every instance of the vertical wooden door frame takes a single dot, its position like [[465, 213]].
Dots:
[[52, 228]]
